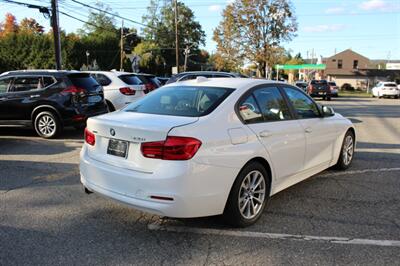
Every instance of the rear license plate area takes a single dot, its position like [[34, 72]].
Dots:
[[117, 148]]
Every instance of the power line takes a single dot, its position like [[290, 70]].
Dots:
[[112, 14]]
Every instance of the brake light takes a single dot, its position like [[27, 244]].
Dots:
[[90, 138], [150, 86], [127, 91], [173, 148], [73, 90]]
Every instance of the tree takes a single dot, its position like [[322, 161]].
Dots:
[[9, 25], [99, 23], [255, 28], [228, 55], [161, 30], [151, 60], [30, 25]]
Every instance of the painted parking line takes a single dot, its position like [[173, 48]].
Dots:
[[377, 170], [249, 234]]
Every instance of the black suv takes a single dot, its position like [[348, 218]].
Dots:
[[48, 100]]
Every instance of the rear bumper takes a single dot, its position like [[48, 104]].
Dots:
[[389, 93], [197, 190]]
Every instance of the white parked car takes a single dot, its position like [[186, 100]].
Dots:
[[212, 146], [383, 89], [120, 88]]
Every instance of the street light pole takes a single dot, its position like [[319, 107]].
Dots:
[[122, 47], [87, 59], [176, 37]]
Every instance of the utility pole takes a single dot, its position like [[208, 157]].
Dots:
[[56, 33], [121, 62], [176, 37]]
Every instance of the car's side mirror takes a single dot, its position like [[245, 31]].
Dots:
[[327, 111]]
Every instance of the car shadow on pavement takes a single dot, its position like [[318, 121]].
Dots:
[[68, 133], [26, 174]]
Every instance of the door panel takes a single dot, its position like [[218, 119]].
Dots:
[[266, 113], [23, 94], [285, 144], [5, 107], [320, 132]]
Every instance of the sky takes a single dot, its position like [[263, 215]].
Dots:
[[369, 27]]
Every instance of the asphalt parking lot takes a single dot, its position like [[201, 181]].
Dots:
[[333, 218]]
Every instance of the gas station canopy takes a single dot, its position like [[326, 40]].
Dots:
[[304, 66]]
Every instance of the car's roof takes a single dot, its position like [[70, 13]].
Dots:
[[38, 72], [236, 83]]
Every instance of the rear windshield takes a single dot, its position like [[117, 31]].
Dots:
[[131, 79], [322, 82], [332, 83], [84, 80], [390, 85], [181, 101]]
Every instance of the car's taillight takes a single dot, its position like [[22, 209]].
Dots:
[[127, 91], [90, 138], [150, 86], [173, 148], [73, 90]]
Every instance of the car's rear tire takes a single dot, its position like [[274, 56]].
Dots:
[[47, 125], [110, 107], [248, 197], [346, 152]]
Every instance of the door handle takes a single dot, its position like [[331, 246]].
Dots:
[[308, 130], [265, 134], [35, 96]]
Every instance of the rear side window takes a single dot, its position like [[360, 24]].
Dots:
[[181, 101], [390, 85], [249, 110], [332, 83], [84, 80], [131, 79], [26, 84], [102, 79], [4, 84], [272, 104], [47, 81], [319, 82]]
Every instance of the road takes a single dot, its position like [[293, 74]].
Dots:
[[46, 219]]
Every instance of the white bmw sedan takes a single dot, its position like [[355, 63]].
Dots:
[[212, 146]]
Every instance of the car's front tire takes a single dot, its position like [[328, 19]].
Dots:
[[248, 196], [47, 125], [346, 151]]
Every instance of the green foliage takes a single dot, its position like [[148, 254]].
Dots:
[[161, 32], [253, 30]]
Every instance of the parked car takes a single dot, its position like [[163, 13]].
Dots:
[[150, 81], [302, 85], [163, 80], [334, 89], [120, 88], [386, 89], [208, 74], [212, 146], [49, 100], [319, 88]]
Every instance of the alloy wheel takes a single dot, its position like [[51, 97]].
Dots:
[[348, 149], [252, 194], [46, 125]]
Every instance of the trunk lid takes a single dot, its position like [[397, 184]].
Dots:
[[132, 129]]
